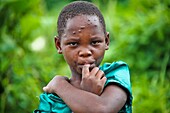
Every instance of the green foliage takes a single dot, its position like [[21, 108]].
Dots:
[[150, 96], [139, 34]]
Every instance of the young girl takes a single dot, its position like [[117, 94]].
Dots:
[[82, 39]]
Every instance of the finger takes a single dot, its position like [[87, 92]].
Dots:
[[85, 70], [100, 74], [94, 71], [104, 79], [45, 89]]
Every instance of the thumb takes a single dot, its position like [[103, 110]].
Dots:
[[85, 70]]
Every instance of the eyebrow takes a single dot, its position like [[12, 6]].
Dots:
[[72, 39], [95, 37]]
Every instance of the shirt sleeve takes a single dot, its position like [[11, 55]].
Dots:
[[118, 73], [51, 103]]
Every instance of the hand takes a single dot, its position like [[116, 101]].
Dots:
[[52, 85], [92, 81]]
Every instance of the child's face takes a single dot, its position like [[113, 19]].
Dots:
[[83, 42]]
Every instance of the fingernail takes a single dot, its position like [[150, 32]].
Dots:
[[44, 89]]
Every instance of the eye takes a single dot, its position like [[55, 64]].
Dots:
[[72, 43], [95, 42]]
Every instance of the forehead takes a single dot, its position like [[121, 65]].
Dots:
[[83, 21]]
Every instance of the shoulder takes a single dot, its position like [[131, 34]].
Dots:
[[118, 65], [117, 72]]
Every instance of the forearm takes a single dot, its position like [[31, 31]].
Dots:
[[86, 102], [78, 100]]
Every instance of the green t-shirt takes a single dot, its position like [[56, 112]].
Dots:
[[116, 73]]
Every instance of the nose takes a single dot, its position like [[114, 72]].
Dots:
[[85, 52]]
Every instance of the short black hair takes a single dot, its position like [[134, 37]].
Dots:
[[78, 8]]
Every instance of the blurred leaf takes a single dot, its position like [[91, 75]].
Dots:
[[139, 34]]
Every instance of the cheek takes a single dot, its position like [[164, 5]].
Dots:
[[100, 51], [69, 56], [99, 55]]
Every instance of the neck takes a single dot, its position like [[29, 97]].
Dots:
[[75, 80]]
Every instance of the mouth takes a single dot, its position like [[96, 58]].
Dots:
[[92, 65]]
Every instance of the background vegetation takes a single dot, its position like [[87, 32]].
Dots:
[[140, 36]]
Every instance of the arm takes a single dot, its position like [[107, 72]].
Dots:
[[111, 100]]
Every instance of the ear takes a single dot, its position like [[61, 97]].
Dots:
[[58, 44], [107, 41]]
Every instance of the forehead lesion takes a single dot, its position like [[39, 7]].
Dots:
[[82, 22], [83, 25]]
